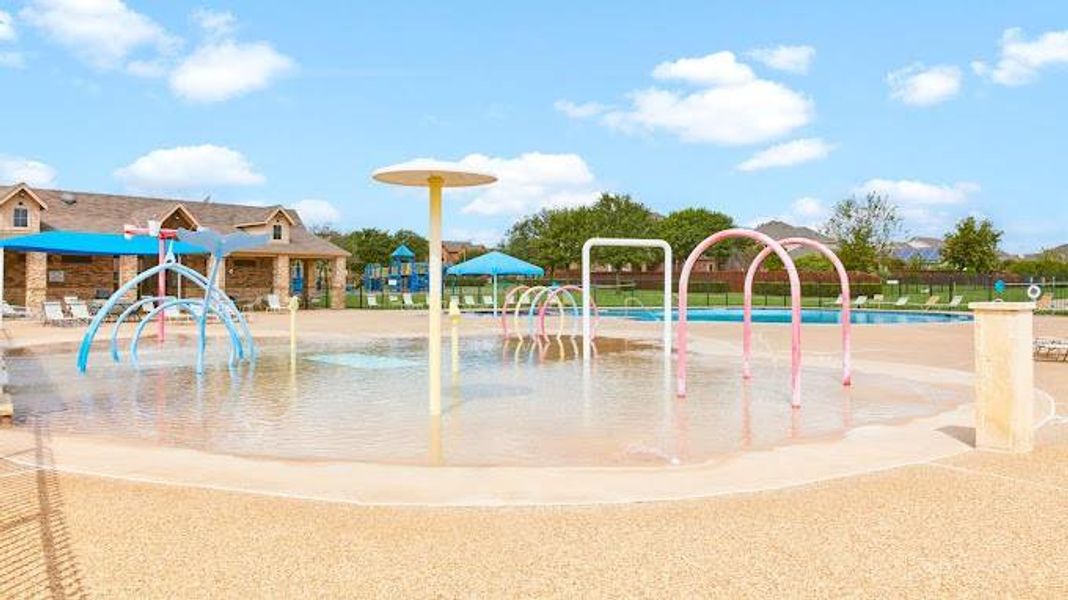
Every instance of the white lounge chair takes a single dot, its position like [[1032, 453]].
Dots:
[[487, 301], [1046, 348], [79, 310], [860, 301], [838, 300], [273, 303], [53, 314], [16, 312], [955, 302], [901, 302], [372, 301], [409, 302], [932, 302], [878, 300], [470, 302]]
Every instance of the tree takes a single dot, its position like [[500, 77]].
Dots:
[[684, 229], [620, 216], [972, 246], [863, 231]]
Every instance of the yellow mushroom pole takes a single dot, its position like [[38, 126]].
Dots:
[[434, 294]]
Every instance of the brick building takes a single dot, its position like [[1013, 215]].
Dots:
[[292, 258]]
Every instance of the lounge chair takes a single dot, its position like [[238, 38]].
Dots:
[[79, 311], [53, 314], [394, 299], [408, 301], [16, 312], [838, 300], [469, 301], [372, 301], [932, 302], [955, 302], [487, 301], [901, 302], [273, 303], [860, 301], [878, 300], [1046, 348]]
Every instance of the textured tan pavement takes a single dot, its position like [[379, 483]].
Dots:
[[976, 525]]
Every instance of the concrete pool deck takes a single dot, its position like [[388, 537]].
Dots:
[[898, 530]]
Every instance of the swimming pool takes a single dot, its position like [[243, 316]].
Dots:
[[817, 316]]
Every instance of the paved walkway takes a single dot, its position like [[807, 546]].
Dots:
[[976, 525]]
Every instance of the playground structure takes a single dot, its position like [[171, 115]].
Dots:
[[213, 303], [587, 290], [403, 274]]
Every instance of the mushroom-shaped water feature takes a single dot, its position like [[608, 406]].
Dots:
[[434, 175]]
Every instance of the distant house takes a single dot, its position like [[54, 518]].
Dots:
[[284, 265], [925, 249], [457, 252]]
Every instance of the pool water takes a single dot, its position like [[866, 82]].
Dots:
[[513, 403], [782, 315]]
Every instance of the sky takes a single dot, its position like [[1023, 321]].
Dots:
[[758, 109]]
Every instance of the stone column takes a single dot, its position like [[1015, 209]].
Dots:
[[1004, 376], [338, 275], [36, 280], [128, 265], [280, 286]]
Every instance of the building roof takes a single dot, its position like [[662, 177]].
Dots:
[[107, 213]]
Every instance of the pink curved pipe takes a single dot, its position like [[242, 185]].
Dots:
[[552, 294], [795, 308], [747, 311], [504, 309]]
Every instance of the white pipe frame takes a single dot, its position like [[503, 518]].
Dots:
[[586, 286]]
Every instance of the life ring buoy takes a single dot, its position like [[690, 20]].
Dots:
[[1034, 292]]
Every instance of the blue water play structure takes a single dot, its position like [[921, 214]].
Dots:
[[403, 274], [214, 302]]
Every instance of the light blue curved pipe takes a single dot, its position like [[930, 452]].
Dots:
[[537, 298], [182, 270], [113, 345], [235, 342]]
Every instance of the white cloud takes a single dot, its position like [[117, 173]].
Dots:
[[12, 60], [1021, 59], [7, 27], [795, 59], [215, 23], [189, 167], [526, 183], [911, 192], [220, 70], [15, 169], [719, 68], [925, 207], [579, 111], [317, 212], [732, 107], [805, 212], [101, 32], [787, 154], [919, 85]]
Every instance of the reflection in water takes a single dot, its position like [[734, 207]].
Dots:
[[507, 405]]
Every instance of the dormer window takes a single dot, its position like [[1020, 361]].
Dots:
[[276, 232], [20, 217]]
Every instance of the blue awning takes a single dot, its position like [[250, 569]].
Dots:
[[496, 263], [93, 244]]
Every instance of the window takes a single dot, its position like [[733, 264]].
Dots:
[[277, 231], [20, 217]]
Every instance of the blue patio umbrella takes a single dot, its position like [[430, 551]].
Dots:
[[495, 264]]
